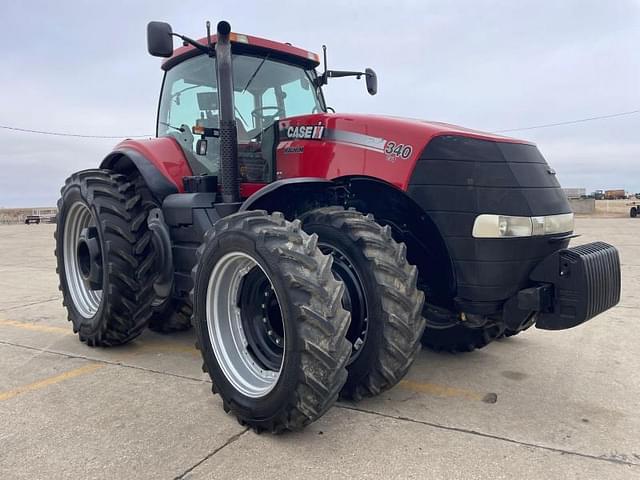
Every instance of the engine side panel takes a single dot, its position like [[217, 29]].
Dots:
[[339, 146]]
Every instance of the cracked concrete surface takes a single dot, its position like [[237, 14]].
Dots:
[[565, 403]]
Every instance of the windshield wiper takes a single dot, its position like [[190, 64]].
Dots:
[[255, 73]]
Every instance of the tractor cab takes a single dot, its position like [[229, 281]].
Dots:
[[267, 86]]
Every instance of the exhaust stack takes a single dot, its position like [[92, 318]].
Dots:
[[228, 133]]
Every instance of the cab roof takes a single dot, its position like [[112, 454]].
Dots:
[[247, 44]]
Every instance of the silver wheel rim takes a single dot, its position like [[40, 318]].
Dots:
[[85, 300], [226, 332]]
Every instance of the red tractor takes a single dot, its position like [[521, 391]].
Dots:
[[314, 251]]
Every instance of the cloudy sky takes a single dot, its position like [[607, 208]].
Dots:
[[82, 67]]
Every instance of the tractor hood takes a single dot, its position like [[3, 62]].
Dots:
[[398, 129], [424, 128], [331, 145]]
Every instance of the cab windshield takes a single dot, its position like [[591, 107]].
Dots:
[[265, 90]]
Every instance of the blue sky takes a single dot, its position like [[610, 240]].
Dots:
[[82, 67]]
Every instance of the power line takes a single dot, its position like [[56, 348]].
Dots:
[[64, 134], [532, 127], [569, 122]]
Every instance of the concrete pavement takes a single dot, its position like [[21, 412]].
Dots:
[[540, 405]]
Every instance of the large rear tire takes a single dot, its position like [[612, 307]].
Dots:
[[381, 294], [269, 321], [446, 332], [104, 255]]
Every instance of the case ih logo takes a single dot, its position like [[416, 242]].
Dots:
[[314, 132]]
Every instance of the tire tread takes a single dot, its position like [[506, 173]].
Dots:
[[397, 285], [117, 201]]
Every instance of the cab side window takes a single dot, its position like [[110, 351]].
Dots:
[[189, 98], [244, 103], [269, 98], [298, 99]]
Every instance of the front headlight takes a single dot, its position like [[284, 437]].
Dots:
[[507, 226], [558, 224]]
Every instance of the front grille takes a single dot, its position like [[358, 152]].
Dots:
[[458, 178]]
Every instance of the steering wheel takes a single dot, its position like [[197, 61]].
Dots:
[[279, 112]]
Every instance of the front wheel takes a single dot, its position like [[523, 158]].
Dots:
[[633, 213], [381, 294], [269, 321]]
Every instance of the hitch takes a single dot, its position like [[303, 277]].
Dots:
[[538, 298]]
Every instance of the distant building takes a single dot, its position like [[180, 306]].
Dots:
[[575, 192]]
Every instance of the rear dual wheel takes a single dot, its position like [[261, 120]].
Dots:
[[269, 321], [108, 262], [105, 257]]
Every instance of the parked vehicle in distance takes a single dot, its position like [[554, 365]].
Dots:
[[41, 215], [616, 194]]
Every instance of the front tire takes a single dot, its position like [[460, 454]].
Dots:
[[381, 294], [269, 321], [104, 256]]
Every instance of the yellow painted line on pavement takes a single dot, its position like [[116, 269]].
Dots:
[[141, 348], [440, 390], [50, 381], [36, 327], [162, 347]]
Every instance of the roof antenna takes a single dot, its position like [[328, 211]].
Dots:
[[325, 78]]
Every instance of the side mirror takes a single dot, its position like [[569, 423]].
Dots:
[[372, 81], [159, 39]]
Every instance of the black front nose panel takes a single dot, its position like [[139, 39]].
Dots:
[[457, 178]]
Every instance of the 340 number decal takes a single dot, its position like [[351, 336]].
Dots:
[[400, 150]]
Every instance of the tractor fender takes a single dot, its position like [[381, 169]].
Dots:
[[159, 161], [386, 202], [275, 193]]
